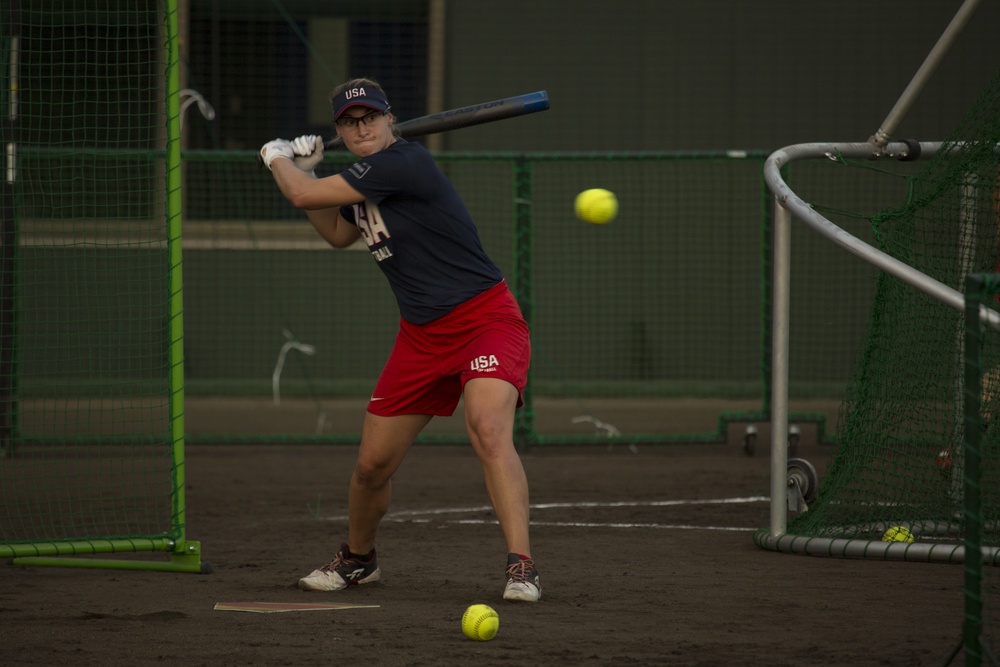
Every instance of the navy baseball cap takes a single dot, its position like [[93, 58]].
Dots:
[[362, 96]]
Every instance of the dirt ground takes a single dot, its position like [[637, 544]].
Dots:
[[646, 558]]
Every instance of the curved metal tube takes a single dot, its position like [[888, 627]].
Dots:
[[856, 548], [800, 209]]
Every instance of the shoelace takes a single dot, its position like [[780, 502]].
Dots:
[[334, 564], [518, 572], [339, 559]]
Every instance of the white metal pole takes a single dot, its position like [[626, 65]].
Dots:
[[919, 80], [779, 367]]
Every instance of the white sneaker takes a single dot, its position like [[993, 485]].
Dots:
[[341, 572], [523, 582]]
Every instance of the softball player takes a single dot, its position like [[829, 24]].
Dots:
[[461, 332]]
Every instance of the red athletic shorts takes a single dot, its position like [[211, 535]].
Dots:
[[430, 363]]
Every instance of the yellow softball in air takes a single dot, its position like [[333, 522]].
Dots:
[[480, 622], [596, 206], [897, 534]]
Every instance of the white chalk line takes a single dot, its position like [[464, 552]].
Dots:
[[415, 516]]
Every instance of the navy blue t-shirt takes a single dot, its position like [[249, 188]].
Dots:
[[419, 231]]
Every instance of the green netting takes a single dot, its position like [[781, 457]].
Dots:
[[89, 311]]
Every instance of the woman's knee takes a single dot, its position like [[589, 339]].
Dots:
[[372, 471], [489, 428]]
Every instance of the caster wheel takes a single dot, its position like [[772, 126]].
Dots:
[[802, 474]]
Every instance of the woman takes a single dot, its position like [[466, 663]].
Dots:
[[461, 332]]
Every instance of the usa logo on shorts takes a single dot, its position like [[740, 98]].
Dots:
[[485, 364]]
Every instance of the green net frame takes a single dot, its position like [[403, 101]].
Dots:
[[92, 460]]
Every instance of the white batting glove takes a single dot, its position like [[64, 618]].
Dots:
[[308, 151], [275, 149]]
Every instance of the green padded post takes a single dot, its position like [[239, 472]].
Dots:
[[972, 457], [524, 428]]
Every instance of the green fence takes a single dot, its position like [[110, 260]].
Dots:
[[613, 308], [652, 328]]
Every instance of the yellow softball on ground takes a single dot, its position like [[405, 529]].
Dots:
[[897, 534], [596, 206], [480, 622]]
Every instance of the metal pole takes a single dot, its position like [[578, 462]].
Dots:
[[8, 244], [919, 81], [779, 368]]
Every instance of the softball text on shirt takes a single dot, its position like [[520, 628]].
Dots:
[[418, 231]]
